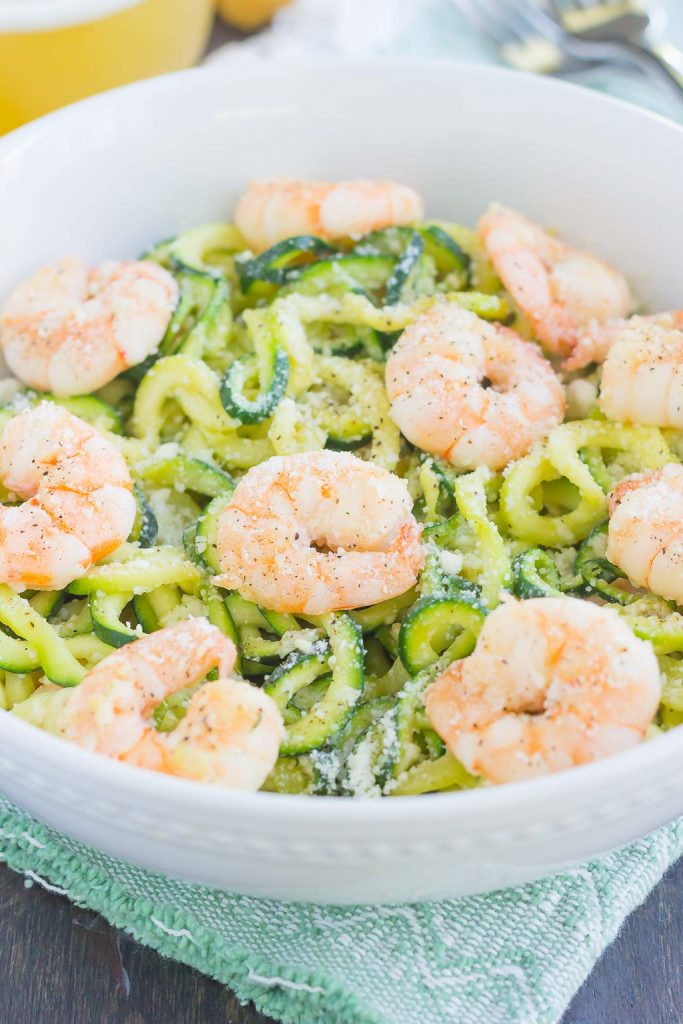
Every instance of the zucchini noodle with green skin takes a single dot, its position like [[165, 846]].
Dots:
[[282, 352]]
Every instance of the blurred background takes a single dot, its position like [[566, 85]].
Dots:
[[53, 52]]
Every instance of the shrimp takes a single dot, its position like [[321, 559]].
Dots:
[[80, 503], [594, 344], [645, 533], [319, 532], [561, 290], [642, 376], [230, 735], [275, 209], [469, 391], [552, 683], [70, 330]]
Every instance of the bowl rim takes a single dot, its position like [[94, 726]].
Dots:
[[262, 66], [482, 802], [479, 803]]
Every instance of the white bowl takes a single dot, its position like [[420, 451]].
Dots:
[[114, 174]]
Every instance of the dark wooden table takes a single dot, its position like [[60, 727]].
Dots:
[[61, 965]]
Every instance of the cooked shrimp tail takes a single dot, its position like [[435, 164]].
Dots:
[[70, 330], [594, 343], [80, 503], [230, 734], [317, 533], [275, 209], [641, 376], [645, 533], [561, 290], [552, 683], [471, 392]]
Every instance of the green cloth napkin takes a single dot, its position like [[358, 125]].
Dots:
[[512, 957]]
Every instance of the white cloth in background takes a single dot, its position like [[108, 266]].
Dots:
[[419, 28]]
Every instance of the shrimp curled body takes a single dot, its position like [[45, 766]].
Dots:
[[561, 290], [319, 532], [645, 533], [469, 391], [642, 376], [552, 683], [80, 503], [594, 343], [70, 331], [229, 736], [275, 209]]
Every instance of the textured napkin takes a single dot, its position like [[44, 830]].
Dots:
[[511, 957]]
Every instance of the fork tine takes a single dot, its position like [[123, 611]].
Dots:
[[514, 26], [540, 21], [514, 17], [512, 13], [475, 15], [554, 7], [485, 17], [584, 5]]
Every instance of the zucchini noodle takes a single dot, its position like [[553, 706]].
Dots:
[[562, 457], [284, 353]]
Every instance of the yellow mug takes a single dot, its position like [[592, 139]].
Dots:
[[53, 52], [249, 14]]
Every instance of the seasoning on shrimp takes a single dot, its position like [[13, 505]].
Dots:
[[472, 392], [561, 290], [278, 208], [594, 344], [642, 376], [80, 504], [552, 683], [645, 533], [319, 532], [230, 734], [70, 330]]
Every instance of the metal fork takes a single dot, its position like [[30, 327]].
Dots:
[[512, 29], [630, 28], [519, 28]]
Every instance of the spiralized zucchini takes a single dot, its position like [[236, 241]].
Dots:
[[284, 353], [569, 456]]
